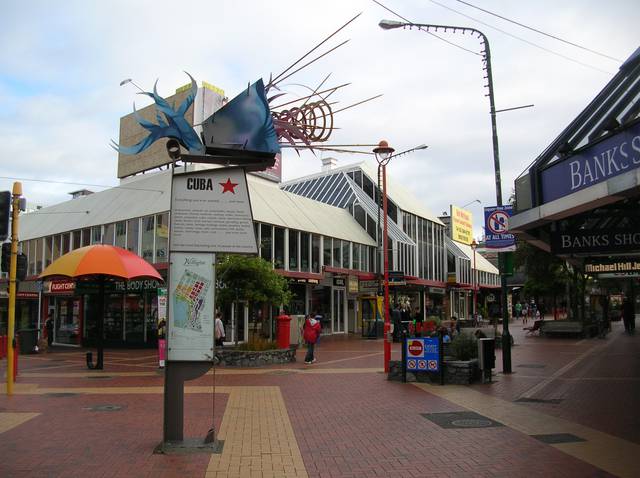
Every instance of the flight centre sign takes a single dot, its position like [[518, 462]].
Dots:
[[211, 212]]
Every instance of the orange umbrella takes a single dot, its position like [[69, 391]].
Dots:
[[101, 259]]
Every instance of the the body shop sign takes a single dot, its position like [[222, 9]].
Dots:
[[609, 158]]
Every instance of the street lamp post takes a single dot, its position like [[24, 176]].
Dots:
[[486, 57], [384, 153], [474, 246]]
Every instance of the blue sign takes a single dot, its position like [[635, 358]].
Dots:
[[609, 158], [496, 228], [423, 354]]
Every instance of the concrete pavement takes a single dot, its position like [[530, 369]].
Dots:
[[336, 418]]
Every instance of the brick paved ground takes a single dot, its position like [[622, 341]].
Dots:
[[336, 418]]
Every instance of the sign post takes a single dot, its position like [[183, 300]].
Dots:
[[210, 213]]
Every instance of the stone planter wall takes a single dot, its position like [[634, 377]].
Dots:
[[456, 372], [247, 358]]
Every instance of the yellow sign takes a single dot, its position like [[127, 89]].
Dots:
[[461, 225]]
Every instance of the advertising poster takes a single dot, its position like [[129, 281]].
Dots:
[[191, 307], [461, 225], [496, 229]]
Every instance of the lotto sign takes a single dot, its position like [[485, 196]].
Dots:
[[423, 354], [496, 225]]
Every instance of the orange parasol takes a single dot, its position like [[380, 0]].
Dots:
[[101, 259]]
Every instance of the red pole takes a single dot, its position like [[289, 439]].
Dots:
[[385, 246], [475, 288], [15, 358]]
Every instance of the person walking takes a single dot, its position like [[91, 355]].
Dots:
[[218, 327], [518, 309], [48, 324], [310, 334]]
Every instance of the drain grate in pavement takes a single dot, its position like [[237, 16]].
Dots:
[[105, 408], [99, 377], [461, 420], [554, 401], [531, 365], [555, 438], [60, 394], [281, 372]]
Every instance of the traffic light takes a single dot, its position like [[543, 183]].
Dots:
[[5, 214], [6, 257], [21, 267]]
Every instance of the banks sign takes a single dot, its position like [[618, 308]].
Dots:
[[581, 241], [609, 158]]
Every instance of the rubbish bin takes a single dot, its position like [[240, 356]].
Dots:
[[28, 339], [486, 357]]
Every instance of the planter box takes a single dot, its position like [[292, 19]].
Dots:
[[249, 358], [456, 372]]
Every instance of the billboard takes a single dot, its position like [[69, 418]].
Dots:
[[208, 100], [461, 225]]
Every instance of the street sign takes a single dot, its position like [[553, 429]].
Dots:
[[423, 354], [496, 226]]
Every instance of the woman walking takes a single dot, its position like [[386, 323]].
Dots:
[[310, 334]]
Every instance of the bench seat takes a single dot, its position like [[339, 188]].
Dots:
[[550, 327]]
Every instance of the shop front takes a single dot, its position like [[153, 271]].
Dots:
[[130, 312]]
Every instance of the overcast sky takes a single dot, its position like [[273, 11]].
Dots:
[[61, 64]]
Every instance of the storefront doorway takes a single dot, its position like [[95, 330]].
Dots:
[[339, 316]]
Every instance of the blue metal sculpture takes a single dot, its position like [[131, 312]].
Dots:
[[175, 126]]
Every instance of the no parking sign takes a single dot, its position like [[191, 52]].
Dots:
[[496, 227]]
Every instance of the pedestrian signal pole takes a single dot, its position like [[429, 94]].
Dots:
[[11, 345]]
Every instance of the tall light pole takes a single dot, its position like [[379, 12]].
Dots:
[[474, 246], [486, 58], [384, 153]]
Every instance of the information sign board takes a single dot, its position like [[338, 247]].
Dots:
[[191, 307], [211, 212], [423, 354]]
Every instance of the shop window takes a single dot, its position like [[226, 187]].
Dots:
[[326, 253], [31, 257], [358, 178], [96, 235], [304, 251], [162, 237], [315, 253], [256, 232], [265, 242], [372, 229], [337, 253], [56, 248], [121, 234], [66, 240], [67, 321], [133, 226], [76, 243], [294, 237], [48, 248], [37, 256], [134, 318], [392, 210], [367, 187], [346, 255], [107, 237], [279, 248], [356, 257], [113, 318], [86, 237], [148, 228], [360, 216]]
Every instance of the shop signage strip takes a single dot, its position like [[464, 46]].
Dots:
[[609, 158], [603, 240], [619, 265]]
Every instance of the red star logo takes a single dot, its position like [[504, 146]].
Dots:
[[228, 186]]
